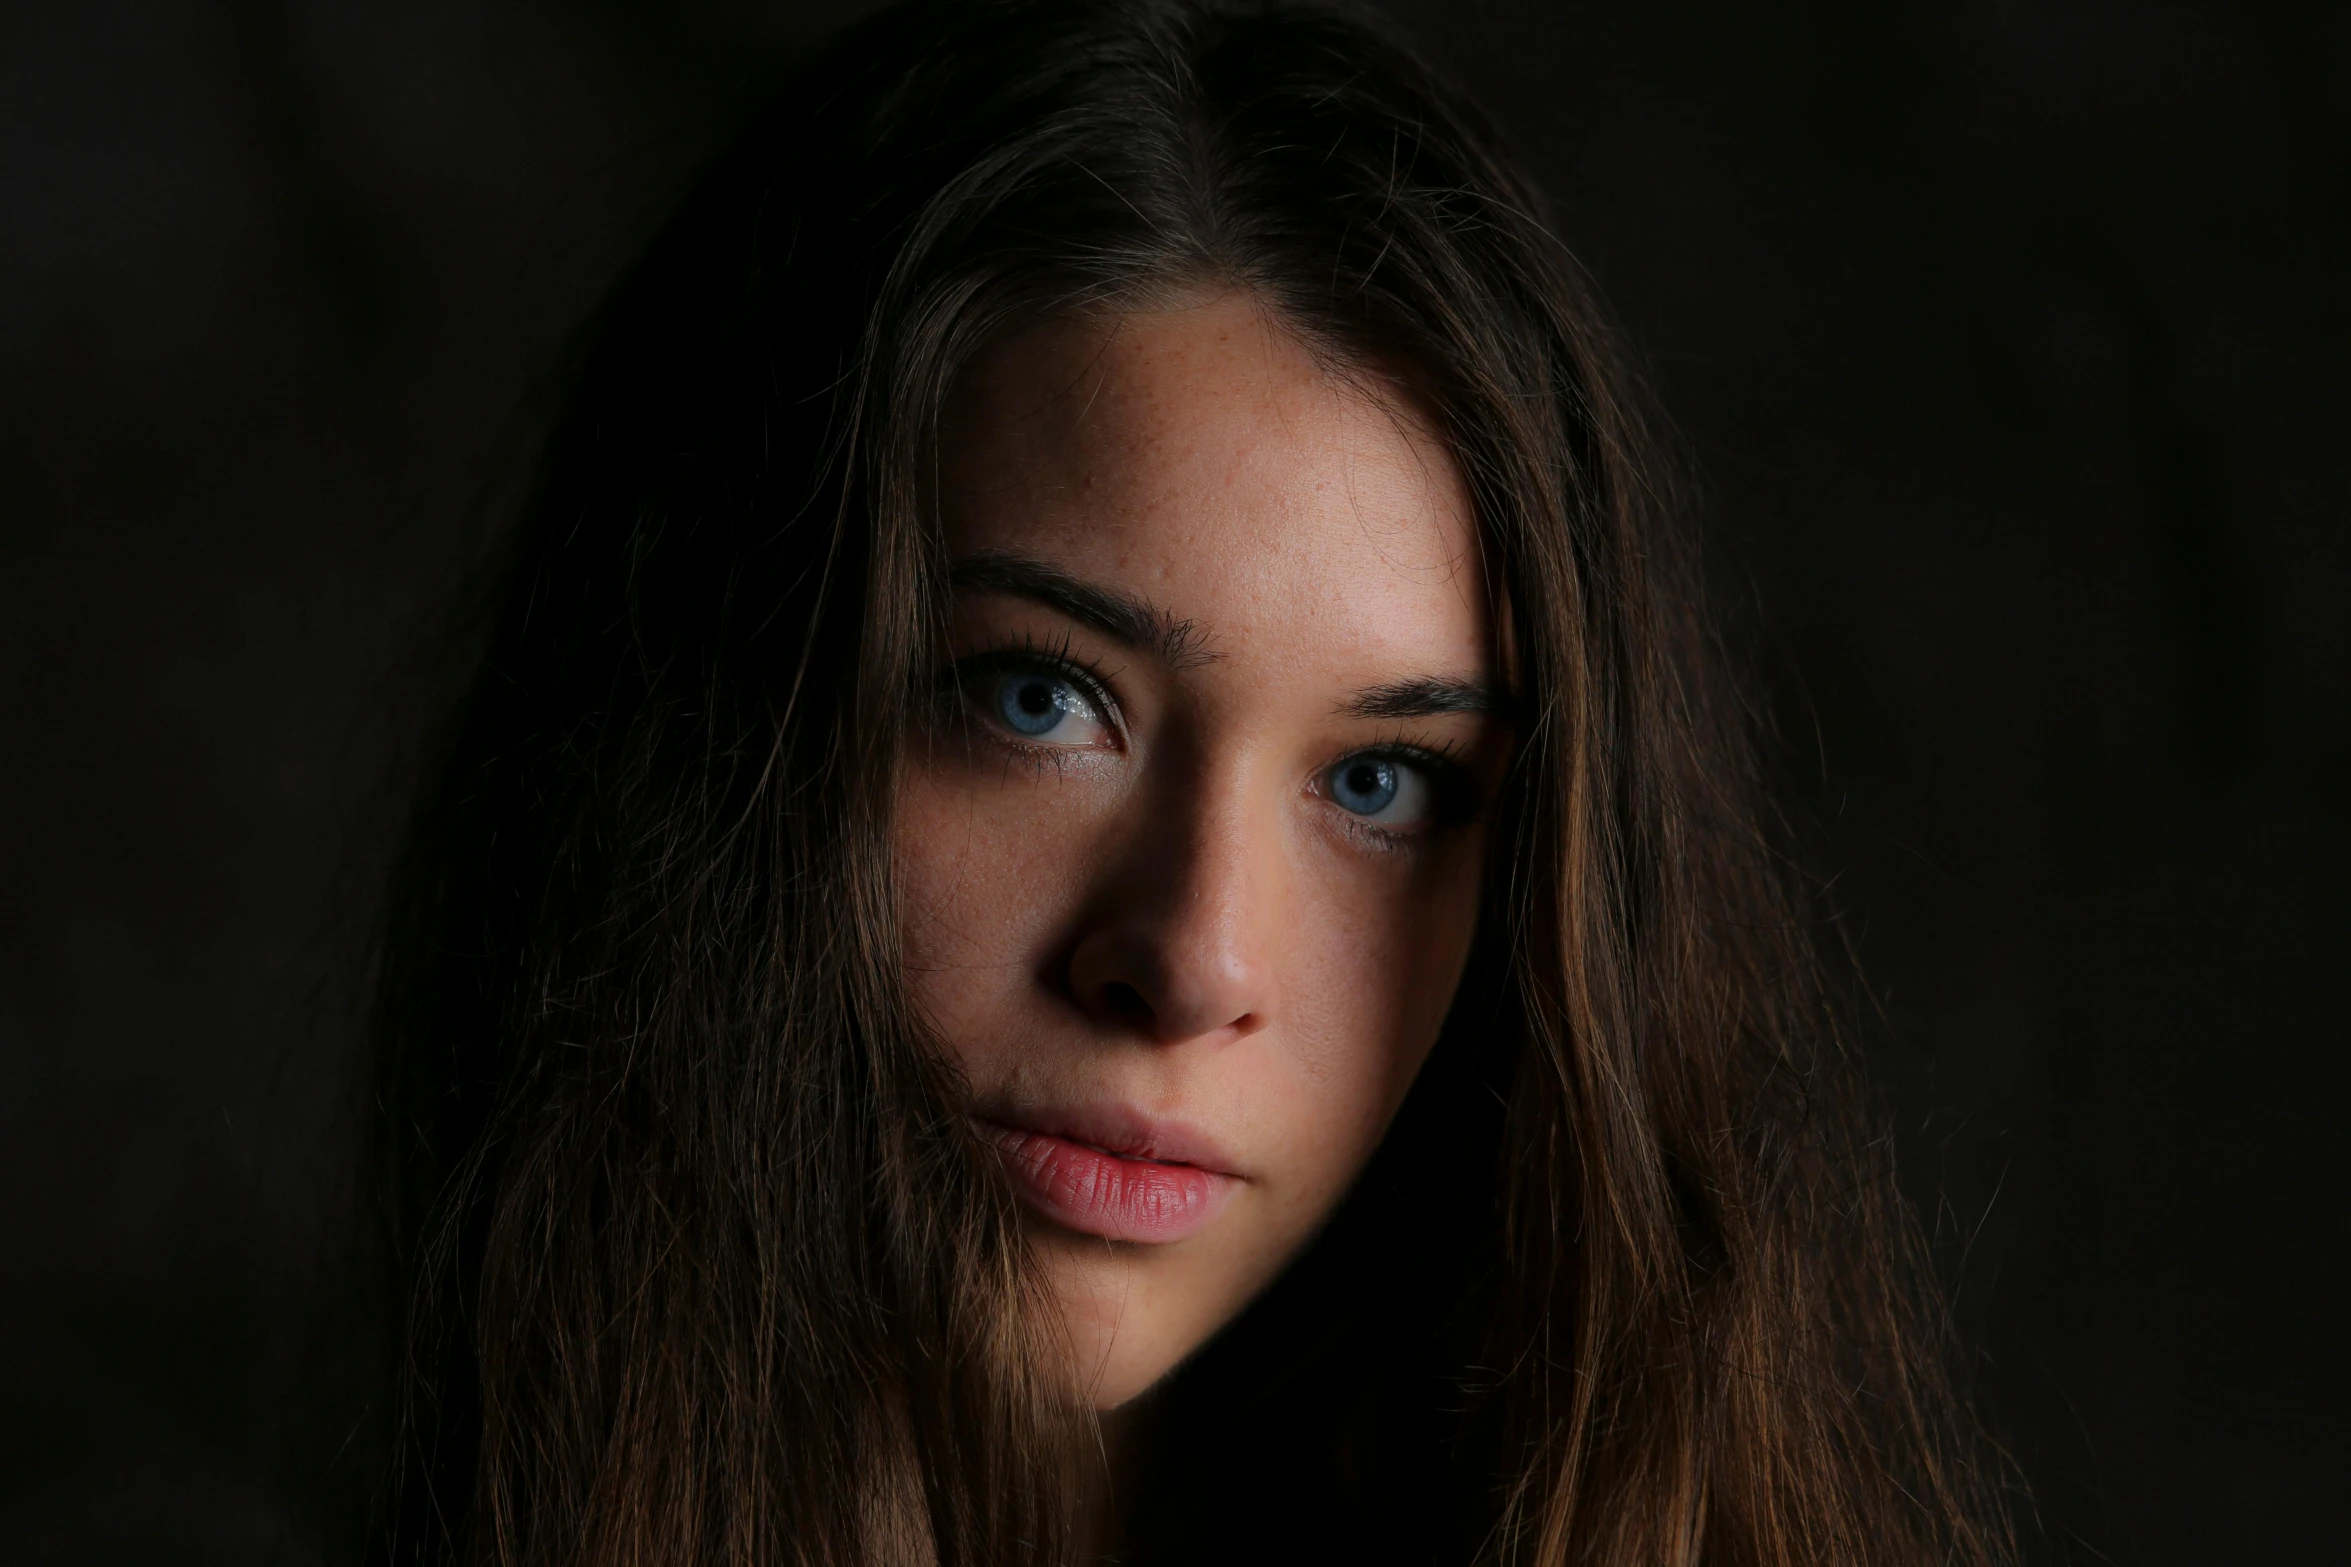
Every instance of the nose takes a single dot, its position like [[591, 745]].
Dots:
[[1177, 948]]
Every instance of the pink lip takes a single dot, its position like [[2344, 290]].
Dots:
[[1111, 1172]]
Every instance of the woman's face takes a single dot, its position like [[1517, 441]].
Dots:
[[1190, 849]]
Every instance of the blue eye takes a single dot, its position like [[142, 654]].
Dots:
[[1365, 785], [1380, 788], [1034, 704]]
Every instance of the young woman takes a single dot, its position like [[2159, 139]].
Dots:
[[1097, 900]]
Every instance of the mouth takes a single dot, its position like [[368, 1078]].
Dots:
[[1112, 1174]]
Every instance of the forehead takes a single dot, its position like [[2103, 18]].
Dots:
[[1203, 457]]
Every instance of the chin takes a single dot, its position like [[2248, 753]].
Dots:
[[1131, 1313]]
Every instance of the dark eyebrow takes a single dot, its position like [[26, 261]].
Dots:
[[1125, 618], [1424, 698]]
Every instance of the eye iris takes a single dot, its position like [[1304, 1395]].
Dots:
[[1365, 786], [1032, 704]]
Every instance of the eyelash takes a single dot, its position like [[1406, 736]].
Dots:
[[1456, 801]]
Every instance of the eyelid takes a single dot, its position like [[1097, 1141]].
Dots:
[[1441, 761]]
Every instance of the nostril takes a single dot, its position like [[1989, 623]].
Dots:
[[1124, 1004]]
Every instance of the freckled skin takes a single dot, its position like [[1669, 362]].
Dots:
[[1178, 919]]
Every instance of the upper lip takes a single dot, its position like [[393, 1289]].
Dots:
[[1119, 1129]]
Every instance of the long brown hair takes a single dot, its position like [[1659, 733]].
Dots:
[[700, 1261]]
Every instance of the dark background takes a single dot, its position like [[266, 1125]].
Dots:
[[2009, 340]]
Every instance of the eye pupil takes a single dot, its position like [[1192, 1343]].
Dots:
[[1036, 699]]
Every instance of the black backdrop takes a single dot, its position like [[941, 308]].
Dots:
[[2008, 339]]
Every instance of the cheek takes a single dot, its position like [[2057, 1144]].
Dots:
[[988, 861], [1371, 971], [968, 901]]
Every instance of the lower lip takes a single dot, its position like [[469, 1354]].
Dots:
[[1106, 1194]]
